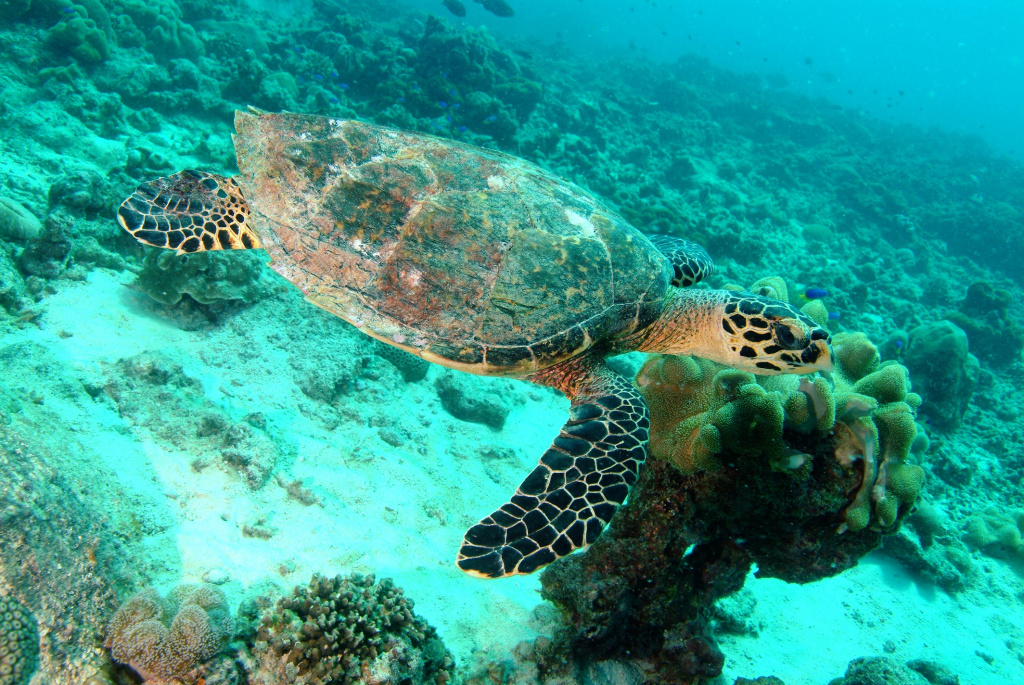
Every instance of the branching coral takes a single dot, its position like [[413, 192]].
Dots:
[[341, 631], [167, 640]]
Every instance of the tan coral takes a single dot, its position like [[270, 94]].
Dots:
[[166, 640]]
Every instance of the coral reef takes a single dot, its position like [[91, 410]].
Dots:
[[61, 546], [465, 401], [792, 474], [700, 409], [97, 96], [166, 640], [80, 32], [884, 670], [342, 631], [19, 643], [930, 547], [997, 533], [157, 26], [16, 222], [206, 277], [946, 372], [984, 316], [411, 367], [12, 284]]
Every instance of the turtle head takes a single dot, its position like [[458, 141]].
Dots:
[[766, 336]]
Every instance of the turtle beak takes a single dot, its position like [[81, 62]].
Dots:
[[817, 356]]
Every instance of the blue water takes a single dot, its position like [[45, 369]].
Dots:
[[197, 461], [954, 65]]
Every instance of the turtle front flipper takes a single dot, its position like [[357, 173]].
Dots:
[[690, 262], [581, 480], [191, 211]]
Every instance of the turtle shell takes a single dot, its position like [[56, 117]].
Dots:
[[467, 257]]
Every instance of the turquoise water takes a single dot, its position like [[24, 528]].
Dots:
[[206, 478]]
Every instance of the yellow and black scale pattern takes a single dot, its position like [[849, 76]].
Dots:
[[190, 211]]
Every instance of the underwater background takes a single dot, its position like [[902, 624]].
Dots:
[[203, 478]]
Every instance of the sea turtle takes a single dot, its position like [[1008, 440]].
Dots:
[[482, 262]]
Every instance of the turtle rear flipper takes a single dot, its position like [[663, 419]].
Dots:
[[190, 211], [581, 480]]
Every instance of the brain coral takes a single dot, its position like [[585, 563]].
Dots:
[[19, 643], [342, 631], [702, 412], [167, 640]]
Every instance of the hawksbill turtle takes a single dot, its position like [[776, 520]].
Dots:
[[481, 262]]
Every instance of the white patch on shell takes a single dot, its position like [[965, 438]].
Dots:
[[411, 278], [496, 182], [581, 222], [398, 338]]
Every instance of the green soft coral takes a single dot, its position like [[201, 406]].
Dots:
[[83, 33], [866, 416], [163, 32]]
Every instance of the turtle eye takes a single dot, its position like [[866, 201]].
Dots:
[[784, 336]]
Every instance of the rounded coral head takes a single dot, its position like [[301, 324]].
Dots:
[[766, 336]]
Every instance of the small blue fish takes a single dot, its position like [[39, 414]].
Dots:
[[461, 129], [449, 119], [343, 86], [297, 48], [815, 293], [301, 80], [402, 99], [898, 344], [455, 105], [833, 316], [334, 74], [318, 77], [68, 10], [451, 91], [493, 117], [444, 75], [333, 100], [415, 88], [442, 104]]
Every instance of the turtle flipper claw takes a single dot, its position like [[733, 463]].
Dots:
[[190, 211], [574, 491]]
